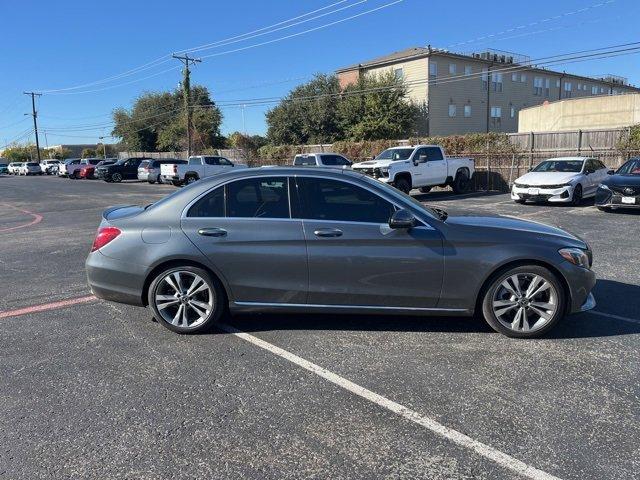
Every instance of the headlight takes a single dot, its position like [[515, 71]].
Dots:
[[604, 187], [384, 169], [576, 256]]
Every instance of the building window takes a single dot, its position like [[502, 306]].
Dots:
[[452, 110], [514, 77], [399, 73], [467, 111], [496, 82], [433, 71], [594, 90], [452, 69], [485, 78], [584, 87], [538, 83], [496, 116], [601, 89], [567, 90], [547, 87], [558, 83], [579, 86], [523, 78], [468, 70], [513, 112]]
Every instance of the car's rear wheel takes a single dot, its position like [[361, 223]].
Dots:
[[116, 177], [189, 179], [604, 209], [186, 299], [461, 183], [425, 189], [524, 302]]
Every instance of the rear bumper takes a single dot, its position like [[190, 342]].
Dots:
[[114, 280], [143, 177]]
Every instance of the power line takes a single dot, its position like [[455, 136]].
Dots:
[[167, 57]]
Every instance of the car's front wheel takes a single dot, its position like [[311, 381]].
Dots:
[[577, 195], [186, 299], [524, 301]]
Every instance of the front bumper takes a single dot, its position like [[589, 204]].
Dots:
[[610, 199], [580, 282], [376, 173], [541, 194]]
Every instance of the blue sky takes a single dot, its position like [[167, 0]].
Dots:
[[56, 45]]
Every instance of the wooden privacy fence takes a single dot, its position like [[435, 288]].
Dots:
[[580, 141], [234, 154]]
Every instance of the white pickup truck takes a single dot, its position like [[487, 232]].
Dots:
[[198, 167], [419, 166]]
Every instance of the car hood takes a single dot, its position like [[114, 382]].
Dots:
[[622, 181], [547, 178], [375, 163], [518, 225]]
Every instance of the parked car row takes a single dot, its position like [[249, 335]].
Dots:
[[24, 168], [571, 179]]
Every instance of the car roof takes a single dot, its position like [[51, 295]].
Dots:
[[569, 159]]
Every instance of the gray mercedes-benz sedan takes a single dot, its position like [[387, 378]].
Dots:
[[301, 240]]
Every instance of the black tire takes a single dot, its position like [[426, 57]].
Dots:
[[219, 302], [462, 182], [604, 209], [116, 177], [576, 199], [151, 180], [176, 183], [520, 201], [189, 179], [425, 189], [403, 184], [495, 283]]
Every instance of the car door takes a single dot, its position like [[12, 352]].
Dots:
[[131, 168], [436, 166], [246, 231], [355, 259], [591, 179]]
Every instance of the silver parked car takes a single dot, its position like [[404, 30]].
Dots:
[[149, 170], [328, 160], [309, 240]]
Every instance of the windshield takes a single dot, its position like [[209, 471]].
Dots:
[[395, 154], [632, 167], [569, 166]]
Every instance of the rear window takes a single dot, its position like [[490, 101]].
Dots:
[[302, 160], [32, 164], [144, 163]]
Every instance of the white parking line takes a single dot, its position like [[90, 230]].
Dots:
[[450, 434], [615, 317]]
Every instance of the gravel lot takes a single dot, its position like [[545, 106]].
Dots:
[[100, 390]]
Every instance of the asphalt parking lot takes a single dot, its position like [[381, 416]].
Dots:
[[93, 389]]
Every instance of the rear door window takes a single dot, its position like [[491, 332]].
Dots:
[[209, 206], [258, 198], [212, 160], [433, 154]]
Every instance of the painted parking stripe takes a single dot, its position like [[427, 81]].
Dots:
[[615, 317], [450, 434], [47, 306], [36, 218]]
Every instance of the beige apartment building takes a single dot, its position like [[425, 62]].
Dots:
[[479, 92]]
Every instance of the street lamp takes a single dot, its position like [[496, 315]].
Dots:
[[104, 147]]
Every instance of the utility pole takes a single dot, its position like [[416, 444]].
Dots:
[[186, 89], [244, 127], [104, 147], [35, 118]]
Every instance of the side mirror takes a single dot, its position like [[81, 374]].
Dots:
[[402, 219], [611, 172]]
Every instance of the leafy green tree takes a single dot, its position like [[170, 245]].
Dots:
[[88, 153], [156, 121], [376, 108], [308, 114]]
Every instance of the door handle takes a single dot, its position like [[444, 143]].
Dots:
[[212, 232], [328, 232]]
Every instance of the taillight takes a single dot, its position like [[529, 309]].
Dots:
[[104, 236]]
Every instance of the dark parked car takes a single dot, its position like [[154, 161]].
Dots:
[[320, 240], [149, 170], [621, 189], [126, 169]]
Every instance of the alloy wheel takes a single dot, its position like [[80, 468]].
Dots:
[[184, 299], [525, 302]]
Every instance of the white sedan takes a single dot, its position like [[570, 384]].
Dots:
[[562, 180]]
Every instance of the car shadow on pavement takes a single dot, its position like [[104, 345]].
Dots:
[[448, 195], [608, 293]]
